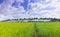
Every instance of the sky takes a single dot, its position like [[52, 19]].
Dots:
[[12, 9]]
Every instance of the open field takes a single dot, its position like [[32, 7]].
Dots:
[[26, 29], [15, 29], [48, 29]]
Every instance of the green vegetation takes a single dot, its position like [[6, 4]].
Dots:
[[48, 29], [16, 29], [26, 29]]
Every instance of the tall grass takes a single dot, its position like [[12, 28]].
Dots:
[[48, 29], [26, 29], [16, 29]]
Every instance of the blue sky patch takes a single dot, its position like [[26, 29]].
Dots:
[[25, 4], [33, 1], [1, 1], [15, 4]]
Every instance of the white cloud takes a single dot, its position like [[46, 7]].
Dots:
[[35, 11], [11, 12], [37, 8]]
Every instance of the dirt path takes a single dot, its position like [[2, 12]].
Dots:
[[35, 31]]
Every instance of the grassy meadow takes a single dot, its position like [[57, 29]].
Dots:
[[15, 29], [26, 29], [48, 29]]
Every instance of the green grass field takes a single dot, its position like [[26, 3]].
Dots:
[[15, 29], [26, 29], [48, 29]]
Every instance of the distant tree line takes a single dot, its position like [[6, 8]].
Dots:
[[29, 19]]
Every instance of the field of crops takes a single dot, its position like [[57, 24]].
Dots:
[[48, 29], [26, 29], [15, 29]]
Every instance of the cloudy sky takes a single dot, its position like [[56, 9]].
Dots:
[[29, 8]]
